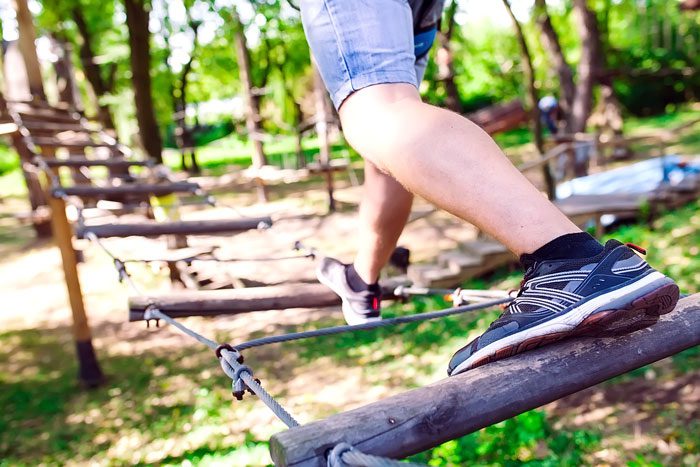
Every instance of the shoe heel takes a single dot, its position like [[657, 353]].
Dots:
[[639, 314]]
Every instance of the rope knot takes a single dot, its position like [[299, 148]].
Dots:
[[239, 387], [335, 457]]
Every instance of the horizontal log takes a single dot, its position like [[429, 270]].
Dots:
[[48, 116], [612, 203], [7, 128], [154, 229], [85, 162], [418, 420], [92, 191], [235, 301], [57, 127], [49, 142], [245, 300]]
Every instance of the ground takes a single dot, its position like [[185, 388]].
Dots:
[[166, 400]]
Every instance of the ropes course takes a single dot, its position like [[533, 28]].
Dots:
[[395, 427], [232, 362], [341, 439]]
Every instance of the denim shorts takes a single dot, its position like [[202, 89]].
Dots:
[[360, 43]]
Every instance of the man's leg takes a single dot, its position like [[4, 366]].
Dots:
[[572, 283], [384, 210], [451, 162]]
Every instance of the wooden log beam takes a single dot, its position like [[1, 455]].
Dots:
[[85, 162], [244, 300], [418, 420], [155, 229], [92, 191], [50, 142], [57, 127], [235, 301]]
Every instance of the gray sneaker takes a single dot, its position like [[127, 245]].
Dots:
[[611, 293], [358, 307]]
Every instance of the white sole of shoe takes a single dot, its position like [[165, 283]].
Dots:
[[561, 324]]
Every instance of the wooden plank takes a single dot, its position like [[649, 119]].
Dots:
[[57, 127], [249, 299], [7, 128], [235, 301], [577, 205], [92, 191], [51, 142], [154, 229], [418, 420], [85, 162], [40, 115]]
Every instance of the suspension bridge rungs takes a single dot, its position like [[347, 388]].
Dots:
[[423, 418], [235, 301], [154, 229], [93, 191]]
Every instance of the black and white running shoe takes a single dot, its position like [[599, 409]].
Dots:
[[359, 307], [611, 293]]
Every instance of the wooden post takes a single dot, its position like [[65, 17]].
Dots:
[[89, 372], [322, 131], [423, 418]]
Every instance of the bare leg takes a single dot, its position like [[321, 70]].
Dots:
[[448, 160], [384, 210]]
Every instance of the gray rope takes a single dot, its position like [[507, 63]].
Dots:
[[372, 325], [223, 260], [119, 265], [232, 367], [344, 455]]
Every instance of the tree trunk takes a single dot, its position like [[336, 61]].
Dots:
[[444, 60], [137, 22], [533, 98], [65, 75], [609, 110], [252, 103], [185, 138], [589, 67], [92, 70], [27, 36], [551, 43]]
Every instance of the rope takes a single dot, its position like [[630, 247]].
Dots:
[[222, 260], [344, 455], [119, 265], [231, 362], [371, 325]]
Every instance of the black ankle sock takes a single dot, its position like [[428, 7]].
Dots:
[[570, 246], [355, 281]]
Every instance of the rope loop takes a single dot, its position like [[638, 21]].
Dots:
[[239, 387], [335, 456], [228, 347]]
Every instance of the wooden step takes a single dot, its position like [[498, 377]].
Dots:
[[77, 161], [457, 261], [162, 189], [430, 275]]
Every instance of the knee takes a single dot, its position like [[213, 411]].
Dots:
[[377, 122]]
